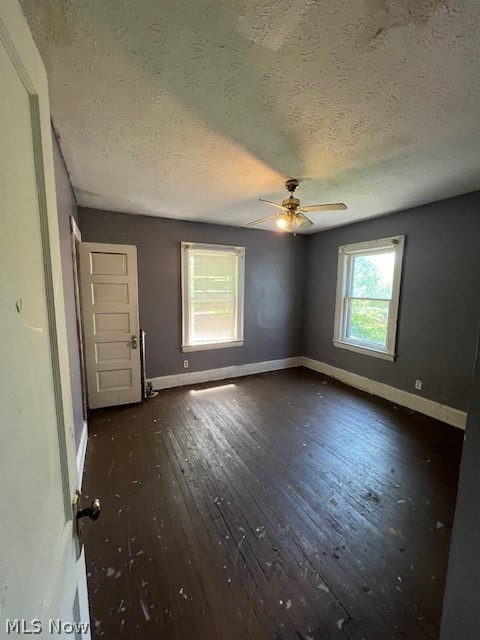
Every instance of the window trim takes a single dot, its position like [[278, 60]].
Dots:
[[345, 255], [205, 346]]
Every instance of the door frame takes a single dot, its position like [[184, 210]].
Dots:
[[76, 238], [18, 43]]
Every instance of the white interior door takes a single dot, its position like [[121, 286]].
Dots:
[[109, 301], [40, 577]]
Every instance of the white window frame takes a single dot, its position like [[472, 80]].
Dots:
[[187, 345], [346, 254]]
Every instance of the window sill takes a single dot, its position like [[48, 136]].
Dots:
[[366, 351], [212, 345]]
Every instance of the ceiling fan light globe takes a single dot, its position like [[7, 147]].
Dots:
[[282, 223]]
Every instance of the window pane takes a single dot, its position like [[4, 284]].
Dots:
[[367, 321], [212, 327], [213, 293], [372, 275]]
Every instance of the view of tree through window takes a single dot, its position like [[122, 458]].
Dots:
[[369, 297]]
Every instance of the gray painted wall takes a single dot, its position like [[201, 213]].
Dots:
[[291, 287], [67, 207], [439, 303], [461, 610], [274, 277]]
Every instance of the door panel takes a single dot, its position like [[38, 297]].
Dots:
[[109, 263], [108, 323], [116, 379], [112, 352], [39, 571], [109, 293], [109, 300]]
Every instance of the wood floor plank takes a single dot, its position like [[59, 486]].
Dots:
[[280, 506]]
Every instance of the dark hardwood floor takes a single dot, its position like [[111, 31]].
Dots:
[[278, 506]]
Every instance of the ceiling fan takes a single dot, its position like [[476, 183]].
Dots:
[[292, 217]]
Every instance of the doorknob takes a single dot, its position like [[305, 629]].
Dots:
[[134, 342], [92, 512]]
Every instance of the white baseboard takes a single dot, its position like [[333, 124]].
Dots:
[[81, 452], [442, 412], [197, 377]]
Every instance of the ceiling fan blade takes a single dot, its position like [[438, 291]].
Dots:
[[275, 215], [302, 222], [274, 204], [337, 206]]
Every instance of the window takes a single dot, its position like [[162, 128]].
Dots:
[[368, 289], [212, 291]]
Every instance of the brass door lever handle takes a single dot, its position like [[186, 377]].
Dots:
[[92, 512]]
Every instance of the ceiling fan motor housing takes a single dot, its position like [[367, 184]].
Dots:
[[291, 184], [291, 203]]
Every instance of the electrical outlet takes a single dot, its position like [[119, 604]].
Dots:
[[185, 364], [418, 385]]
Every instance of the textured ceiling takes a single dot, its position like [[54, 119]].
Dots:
[[194, 109]]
